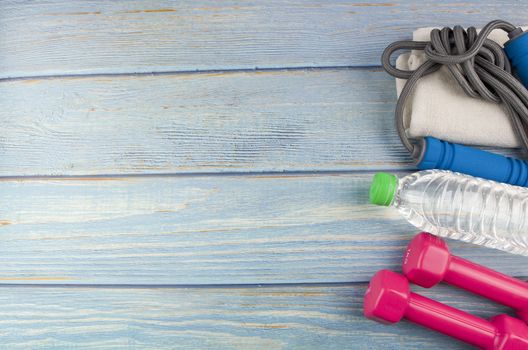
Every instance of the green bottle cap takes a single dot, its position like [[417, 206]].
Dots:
[[383, 188]]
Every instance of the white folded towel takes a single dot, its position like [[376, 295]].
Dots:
[[439, 107]]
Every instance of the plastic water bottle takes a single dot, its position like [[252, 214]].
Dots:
[[459, 206]]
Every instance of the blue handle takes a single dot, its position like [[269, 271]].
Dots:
[[438, 154], [517, 51]]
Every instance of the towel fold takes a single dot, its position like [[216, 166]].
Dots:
[[439, 107]]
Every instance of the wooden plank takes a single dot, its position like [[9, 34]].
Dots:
[[186, 123], [307, 317], [81, 37], [204, 230], [200, 123]]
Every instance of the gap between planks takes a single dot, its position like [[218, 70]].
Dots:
[[285, 174], [203, 286], [187, 72], [182, 286]]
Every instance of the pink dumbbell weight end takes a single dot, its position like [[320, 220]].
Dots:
[[388, 299], [427, 262]]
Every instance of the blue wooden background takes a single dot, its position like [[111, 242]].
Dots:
[[194, 174]]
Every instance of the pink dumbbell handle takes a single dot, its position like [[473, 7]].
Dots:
[[488, 283], [450, 321]]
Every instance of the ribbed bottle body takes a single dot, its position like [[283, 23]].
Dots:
[[463, 207]]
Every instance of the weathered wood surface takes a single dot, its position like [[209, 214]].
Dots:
[[204, 230], [261, 121], [288, 317], [315, 120], [86, 37], [331, 127]]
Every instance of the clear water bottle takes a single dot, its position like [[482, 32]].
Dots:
[[459, 206]]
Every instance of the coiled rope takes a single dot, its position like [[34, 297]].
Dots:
[[478, 64]]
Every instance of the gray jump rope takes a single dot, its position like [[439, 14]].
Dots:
[[478, 64]]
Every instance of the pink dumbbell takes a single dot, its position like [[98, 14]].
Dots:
[[388, 299], [427, 262]]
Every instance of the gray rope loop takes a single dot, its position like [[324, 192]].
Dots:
[[478, 64]]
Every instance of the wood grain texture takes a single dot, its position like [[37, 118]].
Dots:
[[259, 121], [309, 120], [81, 37], [309, 317], [205, 230], [181, 230]]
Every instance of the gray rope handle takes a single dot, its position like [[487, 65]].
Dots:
[[479, 65]]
